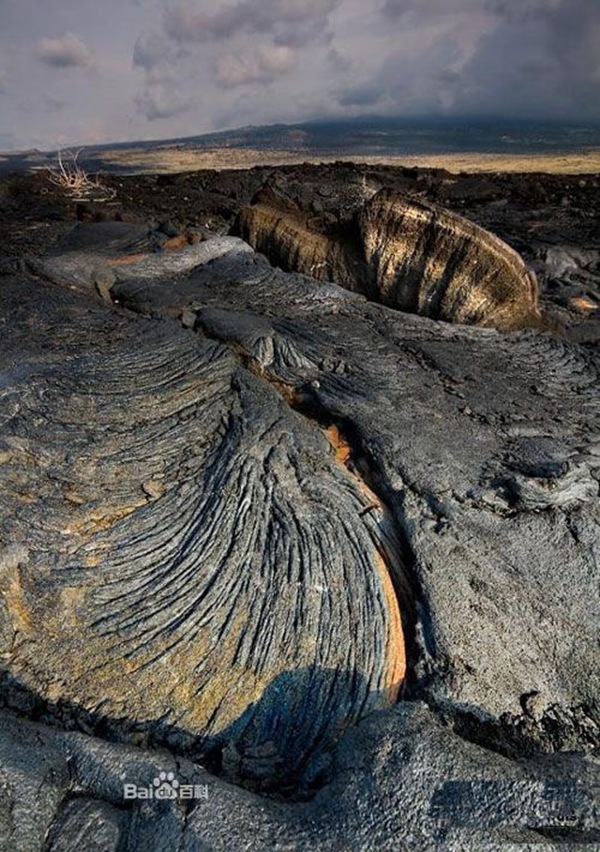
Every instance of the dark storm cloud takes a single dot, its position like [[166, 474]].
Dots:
[[338, 63], [392, 9], [510, 9], [289, 21], [543, 62], [367, 94], [68, 51], [408, 82], [538, 58], [524, 11]]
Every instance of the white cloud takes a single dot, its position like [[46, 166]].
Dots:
[[68, 51], [263, 66], [291, 21], [162, 95], [160, 101]]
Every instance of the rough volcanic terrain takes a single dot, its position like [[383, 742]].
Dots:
[[313, 531], [552, 220]]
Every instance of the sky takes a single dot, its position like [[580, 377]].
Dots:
[[92, 71]]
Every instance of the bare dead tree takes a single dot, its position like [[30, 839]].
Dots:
[[71, 177]]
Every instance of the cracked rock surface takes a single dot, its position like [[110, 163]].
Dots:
[[237, 502], [401, 781]]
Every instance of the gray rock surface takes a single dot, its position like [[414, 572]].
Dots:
[[188, 546], [482, 445], [216, 492], [401, 781]]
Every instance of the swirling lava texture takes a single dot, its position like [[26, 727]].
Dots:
[[185, 548], [228, 492]]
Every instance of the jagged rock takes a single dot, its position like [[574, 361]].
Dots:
[[194, 554], [401, 781], [209, 537], [406, 253], [571, 261]]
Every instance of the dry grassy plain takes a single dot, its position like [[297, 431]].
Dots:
[[181, 160]]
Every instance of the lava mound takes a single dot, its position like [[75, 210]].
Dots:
[[406, 253], [191, 550]]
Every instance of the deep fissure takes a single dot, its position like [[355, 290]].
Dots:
[[351, 454]]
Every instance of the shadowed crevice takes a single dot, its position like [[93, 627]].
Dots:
[[393, 545], [262, 750]]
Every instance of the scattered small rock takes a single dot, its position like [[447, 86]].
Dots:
[[153, 489], [188, 319]]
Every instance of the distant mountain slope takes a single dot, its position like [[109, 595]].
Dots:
[[391, 136], [357, 137]]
